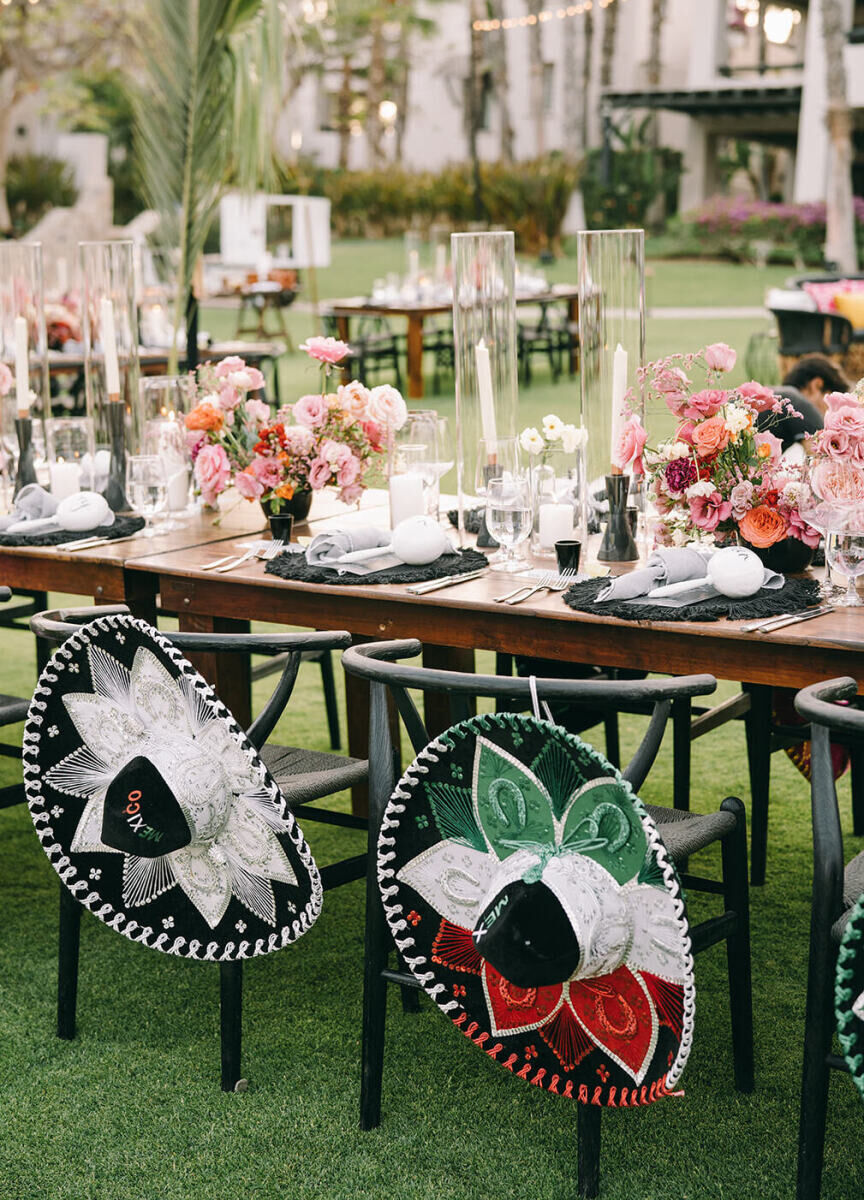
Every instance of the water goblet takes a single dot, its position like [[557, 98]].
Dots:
[[844, 551], [509, 518], [146, 487]]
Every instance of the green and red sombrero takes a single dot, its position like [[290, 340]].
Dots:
[[849, 994]]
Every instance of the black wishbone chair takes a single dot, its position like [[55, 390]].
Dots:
[[12, 710], [683, 834], [836, 887], [304, 776]]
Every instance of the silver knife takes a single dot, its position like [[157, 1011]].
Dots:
[[780, 622], [92, 543], [432, 585]]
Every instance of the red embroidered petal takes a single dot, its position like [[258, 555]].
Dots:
[[566, 1038], [617, 1014], [668, 1000], [513, 1009], [454, 948]]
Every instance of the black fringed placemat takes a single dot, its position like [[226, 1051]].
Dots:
[[796, 594], [473, 519], [122, 527], [295, 566]]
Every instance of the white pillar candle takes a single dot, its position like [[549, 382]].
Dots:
[[406, 497], [487, 398], [22, 366], [619, 389], [65, 479], [556, 523], [109, 349], [178, 489]]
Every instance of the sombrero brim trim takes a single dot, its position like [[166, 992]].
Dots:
[[850, 955], [81, 888], [419, 964]]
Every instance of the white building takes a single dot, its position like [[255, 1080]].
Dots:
[[747, 69]]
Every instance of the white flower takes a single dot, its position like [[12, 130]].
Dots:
[[212, 398], [680, 537], [241, 380], [792, 492], [531, 441], [387, 407], [167, 922], [240, 926], [737, 418], [553, 427], [704, 487], [53, 731], [679, 450], [573, 438]]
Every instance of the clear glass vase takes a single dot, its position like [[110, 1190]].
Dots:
[[557, 493]]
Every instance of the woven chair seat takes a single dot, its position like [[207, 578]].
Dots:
[[853, 886], [306, 775], [12, 709], [684, 833]]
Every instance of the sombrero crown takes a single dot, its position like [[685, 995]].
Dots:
[[152, 805], [530, 894]]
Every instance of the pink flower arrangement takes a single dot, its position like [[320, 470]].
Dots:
[[842, 436], [719, 478], [326, 439]]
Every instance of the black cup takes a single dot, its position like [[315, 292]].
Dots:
[[567, 553], [281, 525], [633, 518]]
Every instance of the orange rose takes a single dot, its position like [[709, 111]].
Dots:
[[762, 526], [206, 417], [285, 491], [710, 437]]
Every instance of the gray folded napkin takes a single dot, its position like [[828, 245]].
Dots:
[[31, 504], [327, 550], [667, 565]]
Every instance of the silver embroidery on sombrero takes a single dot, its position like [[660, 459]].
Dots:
[[234, 849]]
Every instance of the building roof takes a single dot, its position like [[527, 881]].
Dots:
[[712, 102]]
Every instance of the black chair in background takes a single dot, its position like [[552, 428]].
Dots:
[[683, 834], [836, 887], [305, 776], [374, 347], [13, 709], [539, 337], [802, 332]]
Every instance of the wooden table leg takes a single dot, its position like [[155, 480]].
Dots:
[[573, 325], [229, 673], [436, 705], [414, 356]]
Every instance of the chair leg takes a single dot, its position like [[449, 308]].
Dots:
[[67, 963], [737, 899], [231, 1024], [856, 777], [588, 1152], [757, 725], [377, 945], [330, 704], [613, 740], [818, 1032]]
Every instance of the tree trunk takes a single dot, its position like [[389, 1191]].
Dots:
[[474, 100], [535, 59], [8, 80], [588, 42], [573, 117], [344, 111], [497, 44], [840, 247], [375, 92], [402, 86], [610, 30], [655, 62]]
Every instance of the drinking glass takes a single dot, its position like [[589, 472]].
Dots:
[[509, 517], [165, 439], [844, 551], [446, 448], [146, 487], [503, 462]]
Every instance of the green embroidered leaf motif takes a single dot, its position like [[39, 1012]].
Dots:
[[511, 805], [454, 814], [651, 872], [602, 823], [555, 769]]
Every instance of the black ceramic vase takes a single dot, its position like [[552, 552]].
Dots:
[[789, 557], [26, 471], [297, 507], [618, 544]]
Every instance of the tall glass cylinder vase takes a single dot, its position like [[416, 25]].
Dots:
[[24, 348], [484, 332], [612, 336]]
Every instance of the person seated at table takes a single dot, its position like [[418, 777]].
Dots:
[[805, 387]]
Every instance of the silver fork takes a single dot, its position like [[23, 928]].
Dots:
[[551, 583], [525, 587], [234, 557], [251, 553], [270, 549]]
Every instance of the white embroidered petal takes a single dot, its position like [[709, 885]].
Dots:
[[146, 878], [597, 910], [249, 844], [198, 711], [81, 773], [256, 893], [110, 678], [261, 802], [157, 694], [217, 740], [205, 882], [858, 1007], [658, 945], [88, 835], [453, 878], [105, 728]]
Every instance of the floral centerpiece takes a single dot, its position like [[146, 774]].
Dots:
[[322, 440], [720, 477]]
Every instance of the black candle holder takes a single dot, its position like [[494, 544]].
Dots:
[[485, 540], [26, 471], [115, 488], [618, 544]]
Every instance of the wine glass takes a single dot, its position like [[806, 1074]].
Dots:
[[415, 449], [509, 517], [164, 439], [832, 500], [446, 452], [146, 487], [844, 551], [496, 460]]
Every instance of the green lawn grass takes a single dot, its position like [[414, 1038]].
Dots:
[[131, 1110]]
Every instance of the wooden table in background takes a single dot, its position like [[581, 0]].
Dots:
[[346, 310]]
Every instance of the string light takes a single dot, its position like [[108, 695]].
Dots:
[[541, 18]]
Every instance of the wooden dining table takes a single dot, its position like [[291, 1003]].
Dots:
[[415, 313]]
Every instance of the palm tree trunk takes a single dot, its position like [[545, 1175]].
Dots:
[[402, 86], [655, 62], [344, 111], [610, 31], [375, 91], [497, 44], [573, 139], [840, 247], [535, 58], [473, 97], [588, 41]]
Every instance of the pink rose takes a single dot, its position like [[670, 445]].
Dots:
[[840, 400], [320, 473], [768, 446], [741, 498], [374, 433], [195, 439], [684, 432], [353, 398], [848, 419], [720, 357], [334, 453], [326, 349], [351, 494], [758, 397], [267, 470], [349, 472], [710, 437], [705, 403], [212, 472], [257, 411], [707, 512], [387, 407], [229, 397], [311, 411], [299, 439], [834, 443], [247, 485], [229, 365], [798, 528], [247, 379], [6, 379], [631, 443]]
